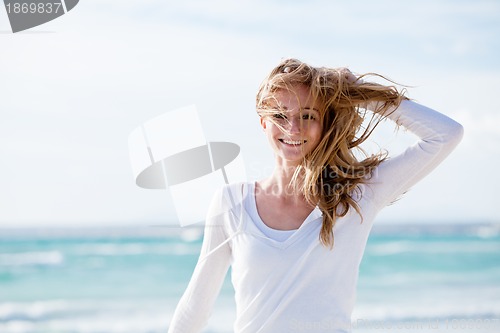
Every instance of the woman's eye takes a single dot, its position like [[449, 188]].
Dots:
[[308, 117], [279, 116]]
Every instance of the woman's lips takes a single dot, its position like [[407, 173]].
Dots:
[[292, 142]]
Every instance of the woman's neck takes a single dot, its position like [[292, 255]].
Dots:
[[280, 184]]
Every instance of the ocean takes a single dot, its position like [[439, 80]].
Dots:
[[413, 278]]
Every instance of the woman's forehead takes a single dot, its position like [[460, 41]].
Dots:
[[295, 96]]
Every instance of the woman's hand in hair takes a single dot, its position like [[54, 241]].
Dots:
[[347, 76]]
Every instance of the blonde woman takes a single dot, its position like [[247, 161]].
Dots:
[[295, 239]]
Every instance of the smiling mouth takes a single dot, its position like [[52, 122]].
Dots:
[[292, 142]]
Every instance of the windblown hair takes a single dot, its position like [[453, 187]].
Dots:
[[330, 175]]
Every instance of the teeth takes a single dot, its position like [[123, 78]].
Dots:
[[290, 142]]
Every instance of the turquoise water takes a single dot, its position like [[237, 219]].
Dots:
[[130, 279]]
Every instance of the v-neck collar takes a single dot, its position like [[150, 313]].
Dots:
[[294, 234]]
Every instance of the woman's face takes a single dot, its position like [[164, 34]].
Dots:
[[296, 130]]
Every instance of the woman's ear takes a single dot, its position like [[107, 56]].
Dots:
[[263, 123]]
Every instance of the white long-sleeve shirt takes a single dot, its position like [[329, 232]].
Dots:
[[295, 284]]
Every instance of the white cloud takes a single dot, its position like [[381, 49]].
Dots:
[[485, 125]]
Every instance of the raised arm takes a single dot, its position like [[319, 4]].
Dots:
[[194, 308], [438, 136]]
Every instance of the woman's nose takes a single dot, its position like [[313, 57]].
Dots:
[[294, 125]]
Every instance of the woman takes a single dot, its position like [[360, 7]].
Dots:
[[295, 240]]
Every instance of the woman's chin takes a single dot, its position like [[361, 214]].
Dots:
[[290, 159]]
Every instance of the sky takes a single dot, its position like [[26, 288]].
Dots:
[[73, 89]]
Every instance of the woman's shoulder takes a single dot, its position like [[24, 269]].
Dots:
[[236, 185], [240, 192], [232, 196], [227, 207]]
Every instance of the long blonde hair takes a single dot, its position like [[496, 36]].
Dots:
[[330, 174]]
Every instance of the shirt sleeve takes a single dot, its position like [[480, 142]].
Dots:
[[194, 308], [438, 136]]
